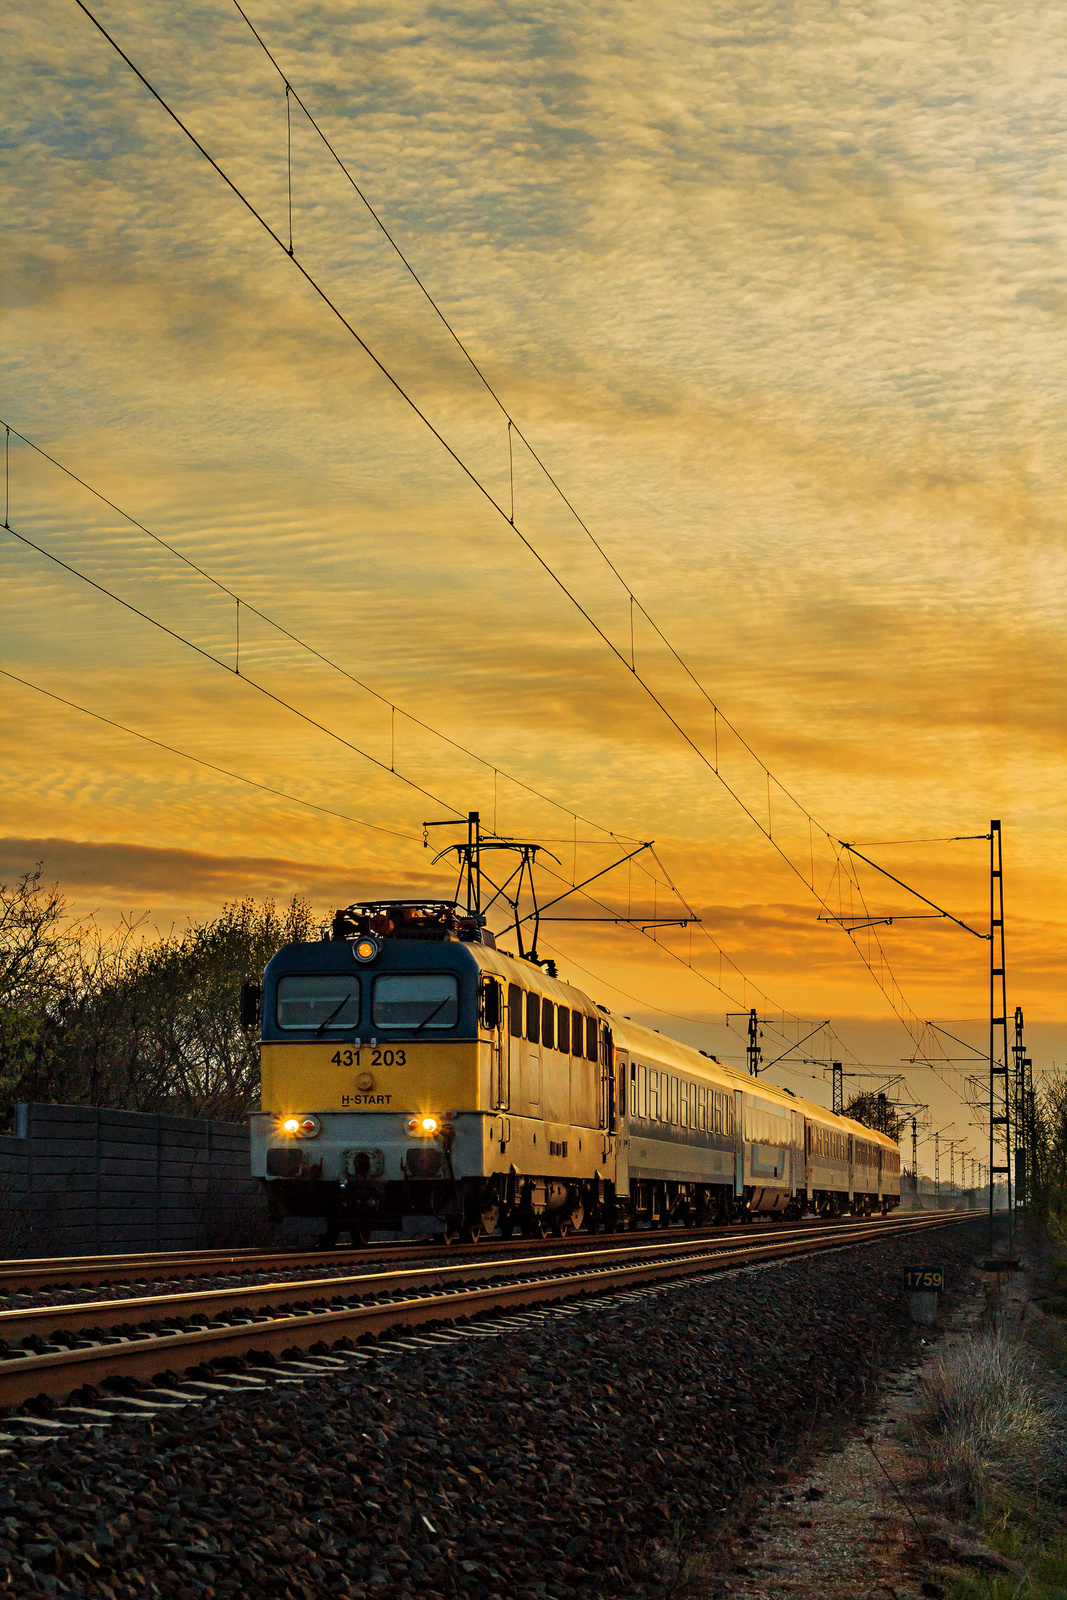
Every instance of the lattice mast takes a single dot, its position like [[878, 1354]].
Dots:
[[1023, 1109], [1000, 1077]]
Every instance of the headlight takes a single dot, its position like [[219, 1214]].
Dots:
[[427, 1126], [365, 948], [302, 1127]]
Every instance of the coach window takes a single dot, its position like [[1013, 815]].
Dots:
[[548, 1024], [642, 1091], [672, 1116], [563, 1029], [683, 1105], [515, 1010], [318, 1001], [653, 1095], [592, 1039], [702, 1108], [420, 1000]]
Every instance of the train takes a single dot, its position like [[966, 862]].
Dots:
[[418, 1079]]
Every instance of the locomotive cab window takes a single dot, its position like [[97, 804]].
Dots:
[[592, 1039], [318, 1000], [416, 1000], [533, 1018], [515, 1010], [548, 1024], [563, 1029]]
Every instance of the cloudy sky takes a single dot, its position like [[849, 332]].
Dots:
[[776, 292]]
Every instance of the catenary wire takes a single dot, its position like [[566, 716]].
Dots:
[[361, 683], [320, 727], [513, 426], [472, 476], [217, 661], [501, 512], [238, 777], [200, 761], [481, 488], [667, 881]]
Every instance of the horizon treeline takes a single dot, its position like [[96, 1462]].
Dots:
[[144, 1022]]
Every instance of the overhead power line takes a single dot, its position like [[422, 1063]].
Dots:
[[320, 727], [513, 426], [200, 761], [477, 483], [312, 650], [240, 600], [240, 677], [893, 993]]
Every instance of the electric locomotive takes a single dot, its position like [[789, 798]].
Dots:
[[416, 1078]]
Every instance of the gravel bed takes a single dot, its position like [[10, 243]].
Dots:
[[544, 1463]]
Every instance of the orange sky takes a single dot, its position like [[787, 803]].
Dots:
[[778, 295]]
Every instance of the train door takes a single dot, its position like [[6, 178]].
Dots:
[[607, 1080], [739, 1144], [809, 1143], [849, 1152], [625, 1084], [512, 1039], [793, 1153], [495, 1019]]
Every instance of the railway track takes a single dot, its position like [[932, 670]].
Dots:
[[92, 1342], [167, 1266]]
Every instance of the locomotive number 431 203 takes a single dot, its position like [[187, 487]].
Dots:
[[378, 1058]]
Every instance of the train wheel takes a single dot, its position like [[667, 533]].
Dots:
[[485, 1222], [568, 1221]]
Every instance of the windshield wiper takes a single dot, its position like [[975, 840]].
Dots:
[[327, 1020], [433, 1013]]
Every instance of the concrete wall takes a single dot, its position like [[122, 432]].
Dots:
[[88, 1180]]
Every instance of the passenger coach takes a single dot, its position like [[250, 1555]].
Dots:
[[415, 1077]]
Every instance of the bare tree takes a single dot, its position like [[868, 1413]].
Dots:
[[146, 1024], [41, 956], [1049, 1175]]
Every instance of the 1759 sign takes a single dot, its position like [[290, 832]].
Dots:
[[919, 1279]]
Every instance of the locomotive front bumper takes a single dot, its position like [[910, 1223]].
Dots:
[[366, 1148]]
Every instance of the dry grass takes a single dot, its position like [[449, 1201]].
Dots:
[[986, 1425]]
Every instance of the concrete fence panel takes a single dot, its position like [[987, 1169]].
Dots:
[[93, 1180]]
